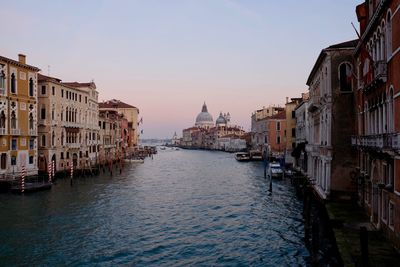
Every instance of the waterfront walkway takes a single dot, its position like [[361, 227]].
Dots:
[[381, 253]]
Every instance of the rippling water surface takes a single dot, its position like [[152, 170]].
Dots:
[[181, 208]]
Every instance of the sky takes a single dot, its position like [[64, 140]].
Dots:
[[167, 57]]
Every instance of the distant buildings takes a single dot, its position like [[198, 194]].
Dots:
[[18, 116], [219, 136]]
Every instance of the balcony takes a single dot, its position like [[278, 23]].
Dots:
[[32, 132], [2, 91], [378, 142], [375, 77], [74, 145], [15, 131], [314, 103], [71, 124], [2, 131]]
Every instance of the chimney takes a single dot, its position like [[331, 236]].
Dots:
[[287, 100], [22, 58]]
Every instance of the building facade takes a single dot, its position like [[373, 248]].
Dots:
[[291, 128], [276, 135], [66, 132], [377, 108], [131, 114], [259, 126], [331, 159], [18, 117]]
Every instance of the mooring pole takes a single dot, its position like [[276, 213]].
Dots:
[[364, 246]]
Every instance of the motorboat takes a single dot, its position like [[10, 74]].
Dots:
[[242, 156], [134, 160], [275, 170]]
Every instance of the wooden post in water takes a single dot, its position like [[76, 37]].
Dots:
[[364, 246], [23, 179]]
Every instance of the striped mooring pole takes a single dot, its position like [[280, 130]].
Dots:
[[49, 171], [72, 171], [53, 169], [23, 179]]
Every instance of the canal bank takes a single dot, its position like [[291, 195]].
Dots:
[[181, 208]]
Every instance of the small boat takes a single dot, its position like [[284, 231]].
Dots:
[[134, 160], [242, 156], [256, 156], [31, 187]]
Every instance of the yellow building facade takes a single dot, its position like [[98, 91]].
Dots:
[[18, 117]]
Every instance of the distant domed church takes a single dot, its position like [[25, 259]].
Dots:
[[204, 119]]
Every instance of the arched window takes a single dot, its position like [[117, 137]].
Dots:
[[31, 121], [53, 137], [13, 120], [66, 114], [62, 138], [345, 77], [30, 87], [391, 111], [389, 34], [2, 119], [2, 80], [13, 84]]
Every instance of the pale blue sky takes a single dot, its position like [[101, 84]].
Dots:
[[167, 57]]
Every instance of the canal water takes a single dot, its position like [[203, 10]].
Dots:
[[182, 208]]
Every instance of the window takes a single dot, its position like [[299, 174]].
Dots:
[[62, 92], [31, 122], [13, 160], [67, 155], [80, 98], [3, 163], [62, 155], [293, 132], [391, 215], [53, 138], [293, 114], [31, 144], [389, 35], [14, 144], [345, 77], [100, 124], [43, 140], [30, 159], [278, 139], [87, 154], [53, 90], [30, 87], [2, 120], [43, 89], [43, 113], [85, 99], [80, 154], [13, 120], [2, 80], [278, 125], [13, 84]]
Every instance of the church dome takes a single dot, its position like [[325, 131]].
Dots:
[[221, 120], [204, 118]]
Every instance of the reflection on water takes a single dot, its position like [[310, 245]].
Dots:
[[182, 208]]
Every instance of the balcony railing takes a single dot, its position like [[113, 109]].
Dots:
[[2, 91], [2, 131], [74, 145], [376, 76], [32, 132], [15, 131], [380, 141]]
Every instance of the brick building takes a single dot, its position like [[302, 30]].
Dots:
[[377, 108]]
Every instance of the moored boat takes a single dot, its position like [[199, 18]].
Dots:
[[242, 156]]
